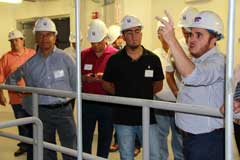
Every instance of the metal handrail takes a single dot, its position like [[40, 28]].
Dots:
[[50, 146], [186, 108], [38, 140], [146, 104]]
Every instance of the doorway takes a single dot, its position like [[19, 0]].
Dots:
[[62, 25]]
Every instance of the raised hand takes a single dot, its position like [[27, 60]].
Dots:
[[167, 30]]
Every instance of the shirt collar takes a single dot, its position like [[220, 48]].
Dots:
[[16, 53], [143, 54], [206, 55], [40, 53], [105, 51]]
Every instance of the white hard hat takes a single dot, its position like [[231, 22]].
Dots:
[[130, 21], [187, 16], [210, 21], [14, 34], [114, 31], [159, 23], [72, 37], [97, 31], [44, 24]]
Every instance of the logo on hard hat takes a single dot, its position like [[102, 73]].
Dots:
[[197, 19], [11, 34], [184, 17], [44, 23], [93, 33], [128, 20]]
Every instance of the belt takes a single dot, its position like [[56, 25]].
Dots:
[[187, 134], [55, 106]]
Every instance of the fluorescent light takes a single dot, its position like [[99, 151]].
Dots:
[[11, 1]]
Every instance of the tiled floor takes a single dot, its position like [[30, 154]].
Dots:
[[8, 146]]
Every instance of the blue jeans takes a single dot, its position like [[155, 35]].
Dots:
[[58, 120], [166, 121], [207, 146], [126, 138]]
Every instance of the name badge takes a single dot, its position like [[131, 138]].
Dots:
[[148, 73], [58, 74], [88, 67]]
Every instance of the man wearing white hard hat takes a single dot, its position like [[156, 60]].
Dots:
[[173, 79], [137, 73], [172, 75], [51, 68], [203, 78], [71, 50], [94, 60], [9, 62], [165, 119], [115, 36], [116, 40]]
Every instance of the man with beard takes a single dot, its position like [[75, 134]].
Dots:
[[137, 73], [203, 78]]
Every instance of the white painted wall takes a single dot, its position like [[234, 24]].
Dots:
[[146, 10], [11, 13]]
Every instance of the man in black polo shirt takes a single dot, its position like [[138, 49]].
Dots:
[[133, 72]]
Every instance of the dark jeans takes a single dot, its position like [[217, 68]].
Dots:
[[237, 135], [60, 120], [207, 146], [23, 130], [94, 112]]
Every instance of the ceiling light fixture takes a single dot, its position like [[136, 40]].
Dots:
[[11, 1]]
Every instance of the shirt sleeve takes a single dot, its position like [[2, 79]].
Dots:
[[169, 65], [236, 75], [206, 73], [16, 76], [109, 71], [158, 71], [2, 70], [72, 72]]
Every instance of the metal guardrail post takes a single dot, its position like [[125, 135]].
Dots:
[[39, 128], [79, 80], [145, 132], [35, 130], [35, 104], [228, 83]]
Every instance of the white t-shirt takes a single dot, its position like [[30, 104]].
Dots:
[[71, 52], [171, 64], [165, 94]]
